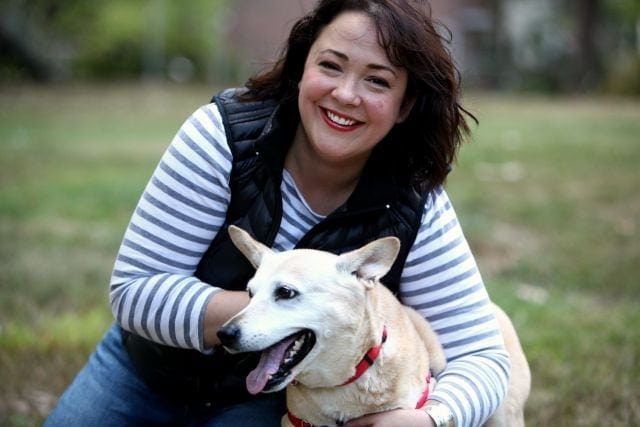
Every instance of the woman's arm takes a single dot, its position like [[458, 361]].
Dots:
[[441, 280], [153, 290]]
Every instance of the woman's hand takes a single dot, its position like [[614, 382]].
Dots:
[[397, 417], [223, 306], [394, 418]]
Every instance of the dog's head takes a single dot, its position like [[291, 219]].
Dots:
[[306, 305]]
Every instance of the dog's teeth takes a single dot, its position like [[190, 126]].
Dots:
[[290, 355], [293, 350]]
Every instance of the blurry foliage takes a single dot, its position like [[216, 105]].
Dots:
[[622, 20], [108, 39], [118, 38], [624, 79], [624, 12], [566, 45], [534, 45]]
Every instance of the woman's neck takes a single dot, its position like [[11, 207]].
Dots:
[[325, 186]]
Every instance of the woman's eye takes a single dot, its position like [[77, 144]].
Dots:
[[379, 81], [329, 65], [285, 292]]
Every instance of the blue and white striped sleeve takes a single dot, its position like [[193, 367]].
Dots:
[[441, 280], [153, 290]]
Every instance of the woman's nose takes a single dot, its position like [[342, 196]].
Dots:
[[346, 92]]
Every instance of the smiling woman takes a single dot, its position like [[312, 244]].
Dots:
[[350, 97], [346, 139]]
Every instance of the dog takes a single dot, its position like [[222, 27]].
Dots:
[[339, 341]]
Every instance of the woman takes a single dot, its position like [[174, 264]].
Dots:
[[348, 138]]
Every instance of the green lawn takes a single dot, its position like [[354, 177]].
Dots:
[[548, 193]]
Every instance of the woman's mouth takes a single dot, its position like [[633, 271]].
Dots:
[[339, 122]]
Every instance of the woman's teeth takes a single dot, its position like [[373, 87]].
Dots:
[[340, 120]]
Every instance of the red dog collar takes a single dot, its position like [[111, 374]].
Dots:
[[369, 358], [297, 422], [367, 361]]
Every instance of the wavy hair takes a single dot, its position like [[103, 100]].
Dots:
[[423, 147]]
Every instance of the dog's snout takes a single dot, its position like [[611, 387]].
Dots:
[[228, 334]]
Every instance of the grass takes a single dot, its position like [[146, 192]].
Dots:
[[547, 193], [548, 196]]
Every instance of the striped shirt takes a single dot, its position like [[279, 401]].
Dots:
[[155, 294]]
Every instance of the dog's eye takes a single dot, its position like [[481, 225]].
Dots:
[[285, 292]]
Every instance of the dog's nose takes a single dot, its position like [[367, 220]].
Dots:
[[228, 334]]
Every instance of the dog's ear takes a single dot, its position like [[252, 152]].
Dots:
[[250, 248], [372, 261]]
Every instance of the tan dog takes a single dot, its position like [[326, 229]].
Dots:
[[315, 315]]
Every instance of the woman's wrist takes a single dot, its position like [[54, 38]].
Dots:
[[221, 307], [440, 414]]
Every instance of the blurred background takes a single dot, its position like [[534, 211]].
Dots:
[[547, 189], [535, 45]]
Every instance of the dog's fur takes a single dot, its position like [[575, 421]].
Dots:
[[339, 299]]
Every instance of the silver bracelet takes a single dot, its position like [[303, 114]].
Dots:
[[440, 414]]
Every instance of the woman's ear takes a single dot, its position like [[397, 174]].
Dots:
[[405, 109]]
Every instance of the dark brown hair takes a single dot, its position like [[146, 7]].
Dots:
[[423, 147]]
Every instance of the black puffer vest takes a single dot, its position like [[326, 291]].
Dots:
[[259, 135]]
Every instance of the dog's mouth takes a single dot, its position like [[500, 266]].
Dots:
[[277, 361]]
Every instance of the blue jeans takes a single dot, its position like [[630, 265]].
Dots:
[[109, 392]]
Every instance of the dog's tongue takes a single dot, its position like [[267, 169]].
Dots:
[[268, 365]]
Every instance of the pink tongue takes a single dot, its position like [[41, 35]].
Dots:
[[268, 365]]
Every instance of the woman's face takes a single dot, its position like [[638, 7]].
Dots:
[[350, 93]]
